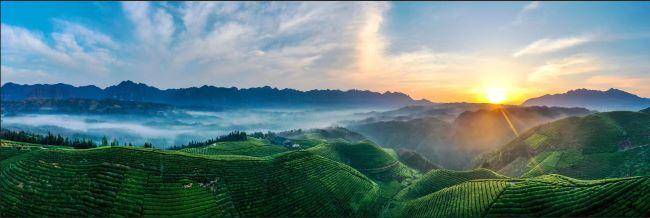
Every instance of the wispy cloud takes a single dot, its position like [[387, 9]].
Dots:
[[576, 64], [529, 8], [551, 45]]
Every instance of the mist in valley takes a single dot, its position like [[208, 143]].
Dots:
[[178, 126]]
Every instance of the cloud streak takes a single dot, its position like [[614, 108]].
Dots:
[[576, 64], [551, 45]]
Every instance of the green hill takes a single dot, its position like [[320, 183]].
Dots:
[[427, 136], [612, 144], [327, 134], [126, 181], [545, 196], [138, 182], [436, 180], [647, 110], [251, 147], [368, 158]]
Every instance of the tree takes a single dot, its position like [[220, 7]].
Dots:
[[104, 141]]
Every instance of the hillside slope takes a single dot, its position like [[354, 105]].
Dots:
[[138, 182], [453, 145], [545, 196], [251, 147], [611, 144], [121, 181]]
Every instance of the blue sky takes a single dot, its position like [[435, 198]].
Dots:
[[441, 51]]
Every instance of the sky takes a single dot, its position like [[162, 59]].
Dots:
[[441, 51]]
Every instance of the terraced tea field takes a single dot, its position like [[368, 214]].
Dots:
[[602, 145], [251, 147], [138, 182], [123, 181], [547, 196]]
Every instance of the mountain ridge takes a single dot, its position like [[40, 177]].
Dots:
[[206, 95], [611, 99]]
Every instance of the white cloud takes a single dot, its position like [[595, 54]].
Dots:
[[551, 45], [529, 8], [27, 48], [576, 64]]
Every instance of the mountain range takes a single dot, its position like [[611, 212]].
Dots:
[[209, 96], [610, 100]]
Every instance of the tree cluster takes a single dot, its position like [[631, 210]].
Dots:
[[230, 137], [49, 139]]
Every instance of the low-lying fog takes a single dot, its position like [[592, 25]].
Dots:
[[179, 126]]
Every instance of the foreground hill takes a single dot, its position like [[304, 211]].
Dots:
[[208, 96], [612, 99], [544, 196], [120, 181], [612, 144], [136, 182]]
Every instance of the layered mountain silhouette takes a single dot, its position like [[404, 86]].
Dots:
[[208, 96], [610, 100]]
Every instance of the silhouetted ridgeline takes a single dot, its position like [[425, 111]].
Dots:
[[208, 95], [612, 99]]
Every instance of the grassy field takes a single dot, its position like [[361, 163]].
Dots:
[[326, 180]]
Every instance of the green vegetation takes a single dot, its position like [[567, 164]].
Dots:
[[602, 145], [128, 181], [550, 195], [367, 158], [251, 147], [327, 134], [144, 182], [436, 180]]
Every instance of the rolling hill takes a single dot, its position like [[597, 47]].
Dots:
[[482, 130], [453, 145], [126, 181], [139, 182], [251, 147], [610, 100], [610, 144], [544, 196]]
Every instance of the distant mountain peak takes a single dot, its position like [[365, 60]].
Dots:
[[611, 99]]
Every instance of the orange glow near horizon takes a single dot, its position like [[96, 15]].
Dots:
[[496, 95]]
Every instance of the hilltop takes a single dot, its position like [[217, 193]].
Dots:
[[209, 96], [610, 100], [609, 144]]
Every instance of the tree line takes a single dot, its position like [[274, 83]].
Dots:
[[49, 139], [230, 137], [58, 140]]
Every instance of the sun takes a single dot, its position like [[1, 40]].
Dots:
[[496, 95]]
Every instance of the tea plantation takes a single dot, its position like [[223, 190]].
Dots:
[[251, 147], [327, 180], [602, 145]]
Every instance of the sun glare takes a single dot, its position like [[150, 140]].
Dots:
[[495, 95]]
